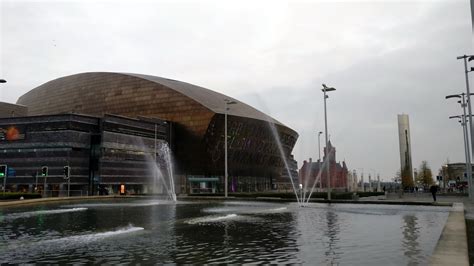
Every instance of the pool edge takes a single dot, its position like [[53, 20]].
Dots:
[[451, 248]]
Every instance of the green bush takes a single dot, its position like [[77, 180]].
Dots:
[[288, 195], [18, 195], [370, 194]]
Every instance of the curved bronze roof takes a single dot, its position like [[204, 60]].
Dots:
[[208, 98], [76, 85]]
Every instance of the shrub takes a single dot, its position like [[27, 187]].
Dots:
[[288, 195], [17, 195]]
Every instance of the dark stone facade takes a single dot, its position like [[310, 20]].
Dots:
[[101, 151]]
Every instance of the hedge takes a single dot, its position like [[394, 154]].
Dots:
[[18, 195], [286, 195]]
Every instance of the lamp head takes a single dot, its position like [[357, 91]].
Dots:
[[326, 88], [453, 96], [3, 81], [230, 101]]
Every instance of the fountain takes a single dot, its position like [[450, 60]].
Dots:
[[283, 157], [300, 200], [160, 168], [165, 149]]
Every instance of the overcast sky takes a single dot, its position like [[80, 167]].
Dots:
[[383, 57]]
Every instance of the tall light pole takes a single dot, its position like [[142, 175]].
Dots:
[[227, 103], [328, 152], [319, 144], [319, 163], [467, 152], [463, 121], [467, 58]]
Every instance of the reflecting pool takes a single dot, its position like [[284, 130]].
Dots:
[[154, 231]]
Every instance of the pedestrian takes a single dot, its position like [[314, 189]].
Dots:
[[433, 190]]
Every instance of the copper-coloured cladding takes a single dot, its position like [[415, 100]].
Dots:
[[133, 95]]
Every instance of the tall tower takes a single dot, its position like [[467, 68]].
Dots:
[[406, 167]]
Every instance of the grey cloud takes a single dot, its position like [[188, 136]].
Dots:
[[383, 58]]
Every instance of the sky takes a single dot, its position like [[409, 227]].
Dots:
[[383, 57]]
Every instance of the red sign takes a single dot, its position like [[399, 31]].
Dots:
[[11, 133]]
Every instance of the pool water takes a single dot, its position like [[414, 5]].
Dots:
[[154, 231]]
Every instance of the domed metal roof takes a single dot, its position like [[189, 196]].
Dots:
[[83, 84]]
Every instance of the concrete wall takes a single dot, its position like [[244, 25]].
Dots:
[[405, 143]]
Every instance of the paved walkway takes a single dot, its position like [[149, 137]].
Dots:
[[452, 246]]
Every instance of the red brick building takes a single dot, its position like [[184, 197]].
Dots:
[[338, 172]]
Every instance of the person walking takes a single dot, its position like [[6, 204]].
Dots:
[[433, 190]]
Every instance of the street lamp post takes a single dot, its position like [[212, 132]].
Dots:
[[463, 121], [319, 144], [319, 163], [326, 89], [467, 153], [227, 103], [467, 58], [466, 144]]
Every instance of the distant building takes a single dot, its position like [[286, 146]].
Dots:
[[310, 171], [352, 184], [406, 166], [454, 173]]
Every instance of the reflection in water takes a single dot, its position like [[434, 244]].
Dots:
[[227, 239], [410, 239], [238, 233], [332, 250]]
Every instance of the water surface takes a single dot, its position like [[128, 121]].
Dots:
[[141, 231]]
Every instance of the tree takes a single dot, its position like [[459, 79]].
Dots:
[[424, 176], [407, 180]]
